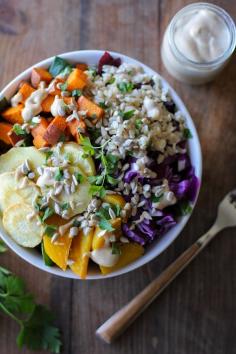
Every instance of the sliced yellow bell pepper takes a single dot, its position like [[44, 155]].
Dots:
[[81, 246], [99, 235], [115, 199], [58, 252], [129, 253]]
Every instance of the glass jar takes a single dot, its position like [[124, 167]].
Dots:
[[185, 69]]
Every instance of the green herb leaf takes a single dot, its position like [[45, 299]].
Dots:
[[58, 65], [111, 180], [105, 225], [86, 145], [187, 133], [47, 261], [59, 174], [92, 72], [65, 206], [138, 124], [155, 199], [185, 208], [115, 249], [63, 86], [127, 115], [38, 332], [97, 190], [50, 230], [48, 212], [117, 209], [102, 105], [76, 223], [79, 177], [111, 81], [96, 180], [76, 93], [48, 154], [125, 87], [17, 129]]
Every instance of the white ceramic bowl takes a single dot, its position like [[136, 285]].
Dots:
[[91, 57]]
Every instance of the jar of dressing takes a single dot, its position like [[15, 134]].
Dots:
[[198, 43]]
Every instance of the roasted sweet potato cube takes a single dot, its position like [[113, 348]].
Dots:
[[47, 102], [40, 74], [75, 126], [5, 130], [93, 110], [76, 80], [26, 90], [38, 132], [55, 130], [13, 114]]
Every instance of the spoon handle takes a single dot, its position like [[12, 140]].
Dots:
[[117, 323]]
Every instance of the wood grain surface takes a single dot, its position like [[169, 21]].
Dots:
[[196, 314]]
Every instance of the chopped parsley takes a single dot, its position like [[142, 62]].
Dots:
[[48, 154], [185, 208], [79, 177], [97, 190], [17, 129], [102, 105], [59, 174], [50, 230], [187, 133], [63, 86], [87, 147], [138, 124], [47, 213], [127, 115], [76, 93], [105, 225], [111, 81], [125, 87], [155, 199]]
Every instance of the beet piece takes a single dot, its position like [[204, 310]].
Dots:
[[107, 59], [170, 106]]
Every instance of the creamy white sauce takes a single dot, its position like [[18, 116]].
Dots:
[[201, 36], [16, 99], [58, 107], [33, 104], [104, 257]]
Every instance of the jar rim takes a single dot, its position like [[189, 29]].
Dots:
[[224, 16]]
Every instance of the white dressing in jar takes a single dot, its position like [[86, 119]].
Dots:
[[198, 43]]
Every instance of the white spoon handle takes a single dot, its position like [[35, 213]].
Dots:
[[117, 323]]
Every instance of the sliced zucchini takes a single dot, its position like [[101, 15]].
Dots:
[[17, 155], [74, 153], [24, 230], [10, 193]]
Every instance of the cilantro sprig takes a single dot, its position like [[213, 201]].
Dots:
[[37, 331], [125, 87]]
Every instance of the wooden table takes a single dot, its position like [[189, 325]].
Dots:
[[196, 314]]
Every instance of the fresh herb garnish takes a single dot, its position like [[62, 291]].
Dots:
[[125, 87], [59, 174], [115, 249], [102, 105], [87, 147], [63, 86], [47, 213], [185, 208], [36, 321], [76, 93], [17, 129], [48, 154], [127, 115], [97, 190], [105, 225], [111, 81], [50, 230], [65, 206], [156, 199], [138, 124], [58, 65], [47, 261], [76, 223], [117, 209], [79, 177], [92, 72], [187, 133]]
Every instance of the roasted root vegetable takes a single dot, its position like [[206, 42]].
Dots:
[[129, 253], [76, 80], [82, 66], [5, 130], [93, 110], [26, 90], [38, 132], [54, 90], [40, 74], [79, 253], [58, 251], [13, 114], [14, 138], [46, 104], [100, 235], [75, 126], [55, 130]]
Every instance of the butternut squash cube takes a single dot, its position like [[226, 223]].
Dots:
[[76, 80]]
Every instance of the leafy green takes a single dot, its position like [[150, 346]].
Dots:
[[48, 154], [105, 225], [187, 133], [79, 177], [63, 87], [58, 65], [185, 208], [138, 124], [127, 115], [115, 249], [76, 93], [47, 261], [92, 71], [36, 329], [111, 81], [47, 212], [87, 147], [17, 129], [97, 190], [125, 87], [155, 199], [50, 230], [102, 105], [59, 174]]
